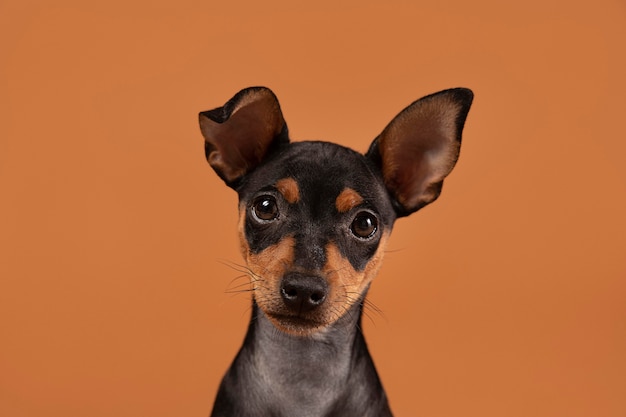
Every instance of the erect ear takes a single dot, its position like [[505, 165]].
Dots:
[[420, 146], [239, 135]]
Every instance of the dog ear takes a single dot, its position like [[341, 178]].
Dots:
[[239, 135], [420, 146]]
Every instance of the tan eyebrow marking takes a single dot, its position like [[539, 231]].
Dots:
[[347, 200], [288, 187]]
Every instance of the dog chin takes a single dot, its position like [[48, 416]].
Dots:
[[297, 325]]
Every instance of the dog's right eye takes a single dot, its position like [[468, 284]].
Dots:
[[265, 208]]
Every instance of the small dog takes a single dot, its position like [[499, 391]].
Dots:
[[314, 218]]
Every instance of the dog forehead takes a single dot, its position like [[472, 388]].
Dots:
[[320, 169]]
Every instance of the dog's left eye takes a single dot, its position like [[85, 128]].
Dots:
[[265, 208], [364, 225]]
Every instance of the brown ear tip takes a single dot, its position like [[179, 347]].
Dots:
[[216, 115], [222, 114], [256, 90], [460, 95], [463, 95]]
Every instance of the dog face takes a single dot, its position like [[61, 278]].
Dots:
[[315, 216]]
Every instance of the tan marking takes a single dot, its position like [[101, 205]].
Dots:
[[269, 266], [266, 268], [288, 187], [347, 200], [347, 285]]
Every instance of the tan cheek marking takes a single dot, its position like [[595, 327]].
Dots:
[[267, 267], [347, 200], [347, 284], [288, 187]]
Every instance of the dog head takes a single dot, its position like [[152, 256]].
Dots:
[[315, 216]]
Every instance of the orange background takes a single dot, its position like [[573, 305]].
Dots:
[[507, 297]]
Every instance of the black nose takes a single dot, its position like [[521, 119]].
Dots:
[[302, 293]]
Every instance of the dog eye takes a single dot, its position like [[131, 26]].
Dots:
[[364, 225], [265, 208]]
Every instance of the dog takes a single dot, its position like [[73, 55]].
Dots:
[[314, 219]]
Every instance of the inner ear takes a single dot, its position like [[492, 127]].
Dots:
[[239, 135], [420, 146]]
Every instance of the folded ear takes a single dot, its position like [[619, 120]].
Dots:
[[239, 135], [420, 146]]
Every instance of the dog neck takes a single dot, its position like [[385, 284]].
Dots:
[[309, 359], [329, 373]]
